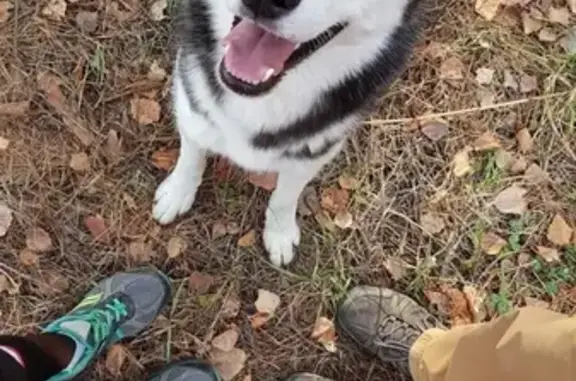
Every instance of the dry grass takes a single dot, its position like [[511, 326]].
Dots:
[[401, 173]]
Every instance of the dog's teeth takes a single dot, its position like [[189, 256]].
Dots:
[[269, 73]]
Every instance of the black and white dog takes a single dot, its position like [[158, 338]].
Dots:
[[276, 86]]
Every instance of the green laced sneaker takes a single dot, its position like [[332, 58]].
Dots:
[[119, 307], [187, 370]]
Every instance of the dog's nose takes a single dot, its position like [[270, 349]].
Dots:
[[270, 9]]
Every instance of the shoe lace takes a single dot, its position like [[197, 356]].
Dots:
[[105, 319]]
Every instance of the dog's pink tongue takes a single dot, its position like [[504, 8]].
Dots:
[[253, 51]]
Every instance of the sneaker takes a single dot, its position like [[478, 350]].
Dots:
[[119, 307], [307, 377], [384, 322], [188, 370]]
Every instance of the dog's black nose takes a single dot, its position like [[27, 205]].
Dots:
[[270, 9]]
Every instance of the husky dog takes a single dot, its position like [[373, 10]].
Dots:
[[277, 86]]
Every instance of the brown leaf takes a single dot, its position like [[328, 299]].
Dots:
[[484, 75], [547, 35], [461, 163], [14, 108], [55, 10], [559, 232], [232, 228], [435, 130], [80, 162], [525, 141], [536, 175], [29, 258], [530, 24], [519, 165], [157, 10], [199, 283], [344, 219], [156, 72], [4, 143], [145, 111], [165, 158], [528, 83], [87, 21], [267, 302], [439, 300], [511, 201], [492, 243], [219, 230], [487, 142], [230, 307], [97, 228], [176, 246], [347, 182], [548, 254], [5, 8], [487, 8], [559, 15], [113, 145], [452, 69], [264, 180], [476, 303], [229, 364], [334, 200], [259, 319], [140, 250], [396, 267], [325, 333], [248, 239], [226, 341], [503, 159], [38, 240], [460, 313], [50, 85], [5, 219], [115, 359], [432, 223], [509, 81]]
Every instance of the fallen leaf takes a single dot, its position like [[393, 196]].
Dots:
[[509, 81], [38, 240], [547, 35], [157, 10], [396, 267], [97, 228], [115, 359], [325, 333], [55, 10], [226, 341], [5, 8], [511, 201], [219, 230], [50, 85], [230, 307], [487, 8], [145, 111], [248, 239], [5, 219], [476, 303], [519, 165], [528, 83], [229, 364], [487, 142], [259, 319], [264, 180], [452, 69], [14, 108], [165, 158], [509, 17], [486, 97], [176, 246], [484, 75], [432, 223], [435, 130], [140, 250], [80, 162], [525, 141], [347, 182], [548, 254], [308, 203], [503, 159], [460, 313], [28, 257], [156, 72], [4, 143], [200, 283], [267, 302], [529, 24], [492, 243], [344, 220], [87, 21], [559, 232], [334, 200], [559, 15], [536, 175], [461, 163], [439, 300], [113, 145]]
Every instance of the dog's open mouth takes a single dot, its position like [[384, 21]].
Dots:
[[256, 59]]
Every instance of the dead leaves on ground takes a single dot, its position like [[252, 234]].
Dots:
[[5, 11], [165, 158], [492, 243], [6, 219], [325, 333], [511, 201], [559, 232], [97, 228], [115, 359], [38, 240], [453, 304], [145, 111], [266, 304]]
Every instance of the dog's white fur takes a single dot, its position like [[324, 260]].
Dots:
[[238, 118]]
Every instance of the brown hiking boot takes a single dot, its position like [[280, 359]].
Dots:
[[384, 322]]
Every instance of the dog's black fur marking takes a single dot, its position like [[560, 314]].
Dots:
[[306, 153]]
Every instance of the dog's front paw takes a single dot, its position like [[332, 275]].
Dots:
[[280, 242], [174, 197]]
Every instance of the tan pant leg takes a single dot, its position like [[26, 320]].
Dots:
[[530, 344]]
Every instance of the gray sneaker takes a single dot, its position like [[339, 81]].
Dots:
[[384, 322], [190, 370], [307, 377], [119, 307]]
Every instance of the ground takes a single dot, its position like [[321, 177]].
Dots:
[[77, 88]]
